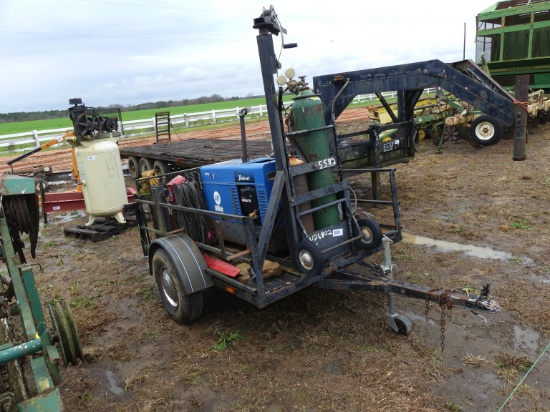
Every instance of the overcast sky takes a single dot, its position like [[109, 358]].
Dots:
[[136, 51]]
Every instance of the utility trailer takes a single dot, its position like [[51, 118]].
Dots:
[[264, 228]]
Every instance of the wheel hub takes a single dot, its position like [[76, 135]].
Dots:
[[306, 259], [367, 235], [169, 289], [485, 131]]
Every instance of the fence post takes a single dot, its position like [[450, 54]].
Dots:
[[36, 141], [186, 119], [213, 116]]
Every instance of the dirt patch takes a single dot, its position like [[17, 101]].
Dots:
[[325, 350]]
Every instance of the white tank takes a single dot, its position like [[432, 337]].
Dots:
[[100, 169]]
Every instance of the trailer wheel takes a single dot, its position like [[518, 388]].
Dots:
[[181, 307], [133, 167], [309, 259], [161, 167], [145, 165], [371, 231], [486, 131]]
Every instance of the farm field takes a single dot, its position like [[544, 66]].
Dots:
[[21, 127], [320, 350]]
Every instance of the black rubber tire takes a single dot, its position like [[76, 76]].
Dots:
[[134, 167], [373, 232], [403, 325], [308, 258], [181, 307], [486, 131], [145, 165], [161, 167]]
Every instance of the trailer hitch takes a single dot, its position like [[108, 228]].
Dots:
[[379, 278]]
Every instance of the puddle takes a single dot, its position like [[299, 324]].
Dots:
[[526, 339], [117, 390], [64, 217], [469, 250], [539, 279]]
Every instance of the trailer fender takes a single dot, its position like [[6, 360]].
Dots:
[[187, 260]]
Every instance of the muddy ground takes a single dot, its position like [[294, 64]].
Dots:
[[320, 350]]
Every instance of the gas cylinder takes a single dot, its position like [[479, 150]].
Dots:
[[103, 186], [307, 111]]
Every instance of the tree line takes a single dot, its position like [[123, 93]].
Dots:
[[56, 114]]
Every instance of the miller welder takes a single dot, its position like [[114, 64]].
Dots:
[[240, 188]]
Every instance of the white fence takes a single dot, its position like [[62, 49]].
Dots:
[[10, 142]]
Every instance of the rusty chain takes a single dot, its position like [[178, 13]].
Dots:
[[445, 303]]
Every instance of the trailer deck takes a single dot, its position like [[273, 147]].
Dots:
[[187, 154]]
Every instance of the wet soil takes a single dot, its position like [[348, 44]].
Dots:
[[320, 350]]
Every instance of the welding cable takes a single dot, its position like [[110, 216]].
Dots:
[[187, 195]]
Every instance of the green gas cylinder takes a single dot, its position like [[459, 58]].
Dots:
[[308, 114]]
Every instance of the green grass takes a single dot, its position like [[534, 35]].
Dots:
[[22, 127]]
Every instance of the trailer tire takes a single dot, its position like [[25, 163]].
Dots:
[[161, 167], [486, 131], [133, 167], [181, 307], [308, 258], [371, 231], [145, 165]]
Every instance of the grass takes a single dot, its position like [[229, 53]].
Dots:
[[48, 124], [224, 340]]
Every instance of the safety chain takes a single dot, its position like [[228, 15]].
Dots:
[[445, 303]]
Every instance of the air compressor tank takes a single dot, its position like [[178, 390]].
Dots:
[[100, 168]]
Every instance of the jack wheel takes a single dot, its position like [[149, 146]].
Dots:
[[371, 231], [65, 329], [309, 259], [183, 308], [401, 324]]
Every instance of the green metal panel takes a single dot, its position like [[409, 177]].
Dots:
[[41, 373], [16, 185], [44, 402]]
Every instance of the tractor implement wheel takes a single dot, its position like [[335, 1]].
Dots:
[[65, 329], [486, 131]]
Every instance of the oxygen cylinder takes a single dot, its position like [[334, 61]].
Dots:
[[308, 114]]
